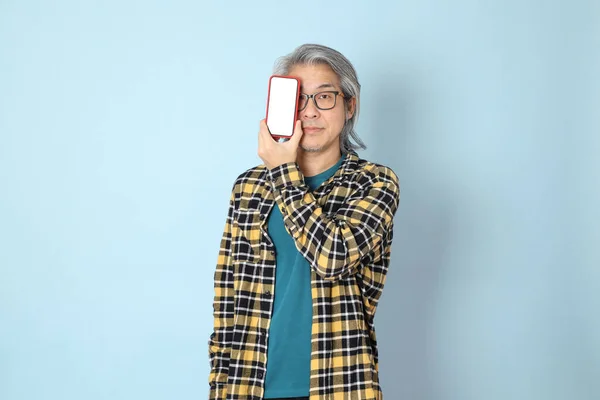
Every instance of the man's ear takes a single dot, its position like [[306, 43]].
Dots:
[[351, 106]]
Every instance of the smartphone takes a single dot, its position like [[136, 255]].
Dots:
[[282, 105]]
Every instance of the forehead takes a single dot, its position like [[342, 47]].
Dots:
[[315, 76]]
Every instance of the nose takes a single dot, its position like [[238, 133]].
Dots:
[[311, 111]]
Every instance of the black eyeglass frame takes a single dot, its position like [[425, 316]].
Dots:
[[312, 96]]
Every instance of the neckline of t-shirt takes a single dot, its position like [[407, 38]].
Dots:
[[328, 173]]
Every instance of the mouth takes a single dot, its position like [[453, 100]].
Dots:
[[311, 129]]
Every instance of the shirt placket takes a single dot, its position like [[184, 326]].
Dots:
[[267, 250]]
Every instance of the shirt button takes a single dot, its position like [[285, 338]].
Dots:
[[259, 375], [261, 217], [267, 293], [272, 252]]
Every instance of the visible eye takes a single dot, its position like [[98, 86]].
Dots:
[[325, 96]]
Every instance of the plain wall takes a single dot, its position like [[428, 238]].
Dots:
[[123, 125]]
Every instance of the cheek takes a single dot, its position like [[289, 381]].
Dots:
[[337, 122]]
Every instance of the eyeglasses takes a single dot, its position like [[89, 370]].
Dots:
[[323, 100]]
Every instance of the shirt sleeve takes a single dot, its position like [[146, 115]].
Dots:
[[219, 346], [335, 244]]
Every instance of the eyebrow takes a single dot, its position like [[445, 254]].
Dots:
[[321, 86]]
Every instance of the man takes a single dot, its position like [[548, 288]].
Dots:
[[305, 251]]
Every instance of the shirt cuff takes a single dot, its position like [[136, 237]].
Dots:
[[287, 174]]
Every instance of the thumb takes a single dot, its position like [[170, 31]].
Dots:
[[297, 132]]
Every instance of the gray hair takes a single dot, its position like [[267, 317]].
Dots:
[[313, 54]]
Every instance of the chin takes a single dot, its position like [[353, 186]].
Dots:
[[311, 149], [311, 146]]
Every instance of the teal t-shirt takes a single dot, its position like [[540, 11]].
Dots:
[[289, 348]]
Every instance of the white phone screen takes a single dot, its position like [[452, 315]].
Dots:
[[281, 112]]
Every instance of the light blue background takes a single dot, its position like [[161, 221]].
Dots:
[[124, 123]]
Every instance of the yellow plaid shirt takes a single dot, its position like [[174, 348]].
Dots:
[[344, 229]]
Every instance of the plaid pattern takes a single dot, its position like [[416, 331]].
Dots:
[[344, 229]]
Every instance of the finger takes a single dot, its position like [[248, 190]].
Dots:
[[298, 132], [261, 134], [262, 127], [264, 131]]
